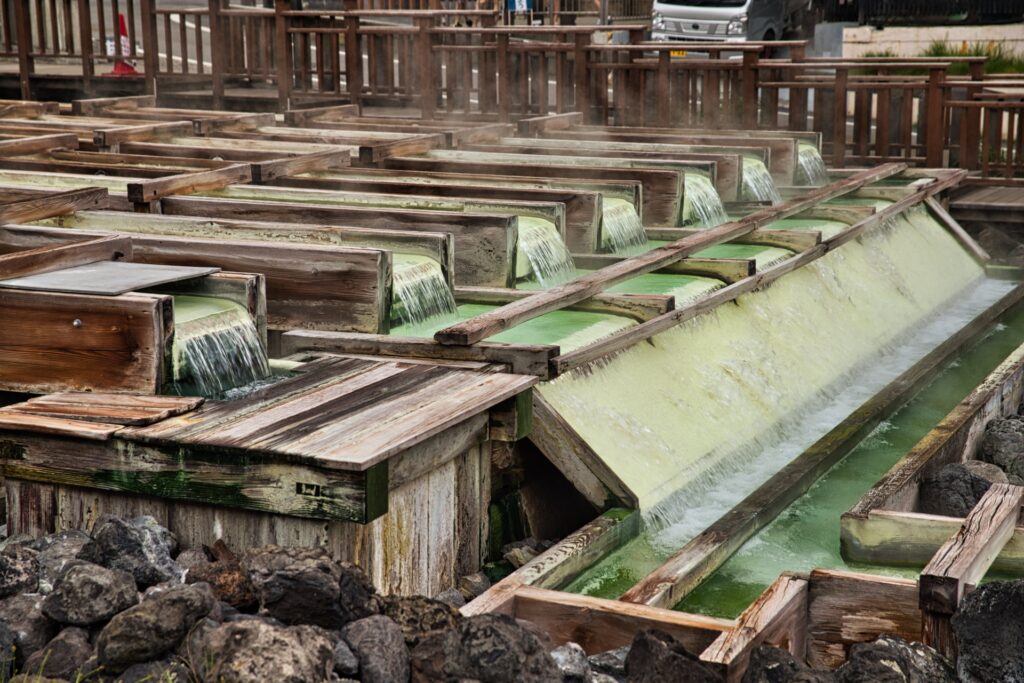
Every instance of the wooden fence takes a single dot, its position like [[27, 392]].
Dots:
[[462, 62]]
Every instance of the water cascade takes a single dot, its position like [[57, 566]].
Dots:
[[545, 252], [810, 167], [622, 231], [758, 185], [420, 290], [701, 204], [216, 347], [708, 397]]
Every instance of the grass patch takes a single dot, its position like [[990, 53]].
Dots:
[[999, 58]]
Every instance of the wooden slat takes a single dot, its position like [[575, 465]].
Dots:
[[37, 144], [639, 307], [51, 258], [488, 324], [187, 183], [266, 171], [961, 235], [725, 269], [44, 424], [121, 409], [114, 136], [52, 204]]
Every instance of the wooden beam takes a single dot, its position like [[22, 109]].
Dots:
[[726, 269], [778, 617], [36, 144], [962, 562], [52, 204], [109, 137], [187, 183], [266, 171], [843, 214], [638, 307], [307, 118], [959, 234], [521, 359], [532, 127], [488, 324], [794, 240], [50, 258]]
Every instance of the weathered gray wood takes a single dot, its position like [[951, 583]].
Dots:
[[639, 307], [32, 262], [36, 144], [106, 278], [52, 204], [725, 269], [188, 183]]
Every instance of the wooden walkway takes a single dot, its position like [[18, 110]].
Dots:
[[991, 204]]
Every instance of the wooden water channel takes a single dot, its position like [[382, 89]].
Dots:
[[386, 448]]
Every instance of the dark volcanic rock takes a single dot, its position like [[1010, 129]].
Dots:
[[775, 665], [955, 489], [7, 650], [1003, 445], [170, 670], [474, 585], [894, 660], [305, 586], [610, 663], [139, 546], [19, 570], [989, 632], [63, 656], [491, 648], [32, 629], [254, 651], [453, 597], [345, 661], [88, 594], [55, 551], [379, 644], [419, 617], [656, 657], [571, 660], [154, 627], [230, 583]]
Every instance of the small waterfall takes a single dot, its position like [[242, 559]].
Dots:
[[810, 167], [546, 252], [701, 204], [622, 231], [216, 347], [420, 291], [758, 185]]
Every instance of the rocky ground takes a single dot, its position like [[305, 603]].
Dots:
[[121, 604], [956, 488]]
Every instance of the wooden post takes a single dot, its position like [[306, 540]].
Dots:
[[749, 90], [582, 75], [662, 91], [218, 55], [284, 54], [970, 122], [797, 96], [504, 81], [963, 560], [151, 47], [425, 59], [839, 120], [25, 62], [934, 118]]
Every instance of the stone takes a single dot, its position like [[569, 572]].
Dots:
[[571, 660], [474, 585], [452, 596], [88, 594], [955, 489], [998, 243], [170, 670], [230, 583], [894, 660], [517, 557], [254, 651], [62, 657], [32, 629], [305, 586], [34, 678], [193, 557], [345, 661], [491, 648], [610, 662], [419, 617], [139, 546], [1003, 445], [19, 570], [7, 651], [379, 644], [775, 665], [55, 551], [657, 657], [154, 627], [989, 631], [603, 678]]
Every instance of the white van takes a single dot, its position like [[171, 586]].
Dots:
[[725, 20]]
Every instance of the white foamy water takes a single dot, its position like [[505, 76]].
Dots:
[[544, 250], [758, 185], [622, 232], [420, 291], [810, 166], [702, 206]]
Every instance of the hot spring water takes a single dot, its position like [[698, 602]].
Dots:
[[758, 185], [542, 251], [810, 167], [216, 347], [701, 204], [622, 232], [420, 290]]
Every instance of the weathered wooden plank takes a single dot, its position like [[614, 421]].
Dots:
[[187, 183], [114, 136], [267, 171], [961, 235], [118, 409], [488, 324], [639, 307], [794, 240], [962, 561], [16, 420], [36, 144], [20, 264], [105, 278], [778, 617], [726, 269], [52, 204]]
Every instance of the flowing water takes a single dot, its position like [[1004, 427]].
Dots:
[[702, 207], [542, 253], [420, 291], [622, 232], [216, 347], [758, 185], [806, 535], [810, 167]]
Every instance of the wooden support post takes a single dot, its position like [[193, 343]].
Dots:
[[662, 90], [749, 96], [151, 48], [962, 561], [22, 22], [85, 41], [283, 50], [935, 136], [581, 75], [218, 53], [354, 61], [970, 122], [425, 64], [504, 78], [839, 120]]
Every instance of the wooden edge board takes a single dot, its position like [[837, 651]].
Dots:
[[52, 204], [37, 143], [794, 240], [728, 270], [187, 183], [14, 420], [266, 171], [47, 259], [639, 307], [488, 324], [113, 136]]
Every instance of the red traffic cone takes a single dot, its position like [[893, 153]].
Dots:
[[122, 67]]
